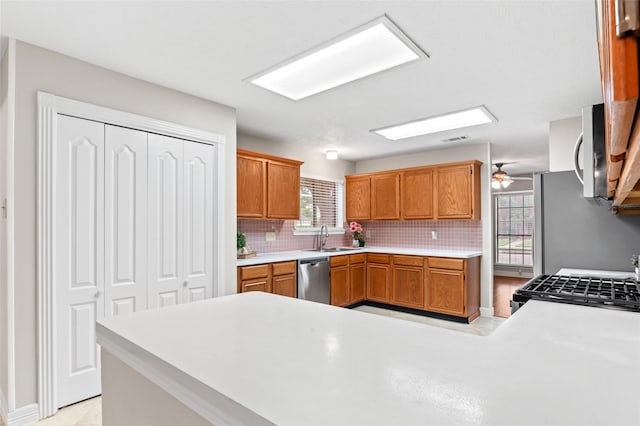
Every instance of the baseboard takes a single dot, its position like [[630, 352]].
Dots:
[[3, 408], [486, 312], [24, 416]]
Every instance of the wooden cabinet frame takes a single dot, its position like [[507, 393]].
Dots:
[[450, 191], [268, 187], [277, 278]]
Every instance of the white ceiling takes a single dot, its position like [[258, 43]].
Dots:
[[528, 62]]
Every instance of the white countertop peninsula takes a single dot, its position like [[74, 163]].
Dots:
[[309, 254], [257, 358]]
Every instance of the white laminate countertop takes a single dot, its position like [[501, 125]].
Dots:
[[306, 254], [292, 362]]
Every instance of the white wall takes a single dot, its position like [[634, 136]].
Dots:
[[481, 152], [562, 139], [41, 69], [5, 100], [315, 163]]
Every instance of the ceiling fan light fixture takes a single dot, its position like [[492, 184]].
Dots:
[[369, 49], [439, 123], [500, 178]]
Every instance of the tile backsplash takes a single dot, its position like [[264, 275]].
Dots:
[[452, 235]]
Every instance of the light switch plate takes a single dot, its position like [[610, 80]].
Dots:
[[270, 236], [434, 235], [368, 234]]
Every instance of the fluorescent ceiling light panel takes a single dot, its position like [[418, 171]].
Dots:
[[369, 49], [441, 123]]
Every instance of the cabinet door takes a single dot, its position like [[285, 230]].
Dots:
[[357, 284], [285, 285], [358, 195], [385, 196], [340, 286], [445, 292], [198, 221], [453, 192], [251, 175], [417, 194], [260, 284], [408, 287], [79, 251], [378, 282], [165, 203], [125, 220], [283, 198]]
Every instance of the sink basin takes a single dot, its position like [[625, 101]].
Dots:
[[333, 249]]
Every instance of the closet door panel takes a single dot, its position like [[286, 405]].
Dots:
[[165, 221], [79, 255], [125, 220], [198, 220]]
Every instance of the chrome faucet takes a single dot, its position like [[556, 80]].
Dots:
[[324, 234]]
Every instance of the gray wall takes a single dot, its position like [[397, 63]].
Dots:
[[41, 69], [581, 234]]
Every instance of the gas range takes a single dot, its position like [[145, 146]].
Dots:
[[599, 291]]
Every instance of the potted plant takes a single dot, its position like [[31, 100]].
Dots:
[[635, 260], [357, 233], [242, 243]]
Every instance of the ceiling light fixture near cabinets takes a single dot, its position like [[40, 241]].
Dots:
[[331, 154], [374, 47], [440, 123], [500, 178]]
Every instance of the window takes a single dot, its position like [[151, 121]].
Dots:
[[321, 203], [514, 225]]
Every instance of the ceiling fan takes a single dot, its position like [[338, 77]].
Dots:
[[500, 178]]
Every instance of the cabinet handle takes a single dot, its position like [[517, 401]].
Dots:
[[98, 293]]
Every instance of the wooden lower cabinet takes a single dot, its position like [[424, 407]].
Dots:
[[408, 286], [446, 292], [340, 286], [260, 284], [378, 282], [277, 278], [347, 279], [357, 282], [286, 285]]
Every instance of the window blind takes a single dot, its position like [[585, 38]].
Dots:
[[320, 203]]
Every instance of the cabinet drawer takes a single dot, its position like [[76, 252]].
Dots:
[[284, 268], [445, 263], [408, 260], [339, 260], [356, 258], [377, 258], [256, 271]]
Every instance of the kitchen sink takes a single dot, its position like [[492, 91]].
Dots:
[[333, 249]]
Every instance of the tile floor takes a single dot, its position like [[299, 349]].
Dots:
[[85, 413], [89, 412], [503, 288]]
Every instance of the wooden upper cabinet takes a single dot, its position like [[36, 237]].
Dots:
[[619, 71], [358, 195], [283, 197], [385, 196], [268, 187], [457, 191], [417, 193], [251, 174]]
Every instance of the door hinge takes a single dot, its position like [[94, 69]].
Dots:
[[4, 208]]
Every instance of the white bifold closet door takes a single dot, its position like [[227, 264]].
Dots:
[[125, 226], [133, 230], [79, 256], [180, 198]]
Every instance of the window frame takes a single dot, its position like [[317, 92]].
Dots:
[[496, 234], [340, 208]]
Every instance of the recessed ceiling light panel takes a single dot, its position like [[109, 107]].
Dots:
[[440, 123], [366, 50]]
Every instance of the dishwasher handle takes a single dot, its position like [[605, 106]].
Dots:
[[314, 261]]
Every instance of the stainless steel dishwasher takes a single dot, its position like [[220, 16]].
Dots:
[[314, 280]]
